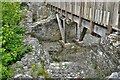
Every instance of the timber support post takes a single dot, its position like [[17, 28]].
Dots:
[[60, 27], [119, 16], [82, 35], [65, 30]]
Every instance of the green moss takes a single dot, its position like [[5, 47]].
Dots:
[[56, 57], [39, 70], [95, 66]]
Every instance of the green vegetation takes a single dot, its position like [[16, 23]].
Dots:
[[12, 48], [38, 71]]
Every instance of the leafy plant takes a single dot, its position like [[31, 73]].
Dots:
[[12, 47]]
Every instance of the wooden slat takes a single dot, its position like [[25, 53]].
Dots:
[[71, 11], [80, 14], [101, 13], [105, 15], [88, 11], [119, 16], [96, 12], [83, 9], [75, 7], [92, 15], [109, 26], [98, 16], [115, 16]]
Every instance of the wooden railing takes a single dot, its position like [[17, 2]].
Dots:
[[103, 13]]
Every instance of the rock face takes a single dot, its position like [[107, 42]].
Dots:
[[46, 29]]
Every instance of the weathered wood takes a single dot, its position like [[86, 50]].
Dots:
[[83, 34], [91, 18], [71, 12], [102, 12], [65, 4], [119, 16], [65, 30], [80, 14], [60, 27], [109, 26], [102, 19], [96, 12]]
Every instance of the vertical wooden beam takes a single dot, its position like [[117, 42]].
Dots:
[[65, 30], [86, 9], [61, 8], [101, 7], [119, 16], [64, 23], [83, 33], [95, 4], [102, 19], [71, 11], [109, 26], [79, 27], [91, 18]]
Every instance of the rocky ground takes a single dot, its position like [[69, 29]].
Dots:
[[91, 58]]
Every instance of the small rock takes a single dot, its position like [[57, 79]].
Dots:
[[41, 78], [28, 76], [115, 75], [25, 68], [18, 75]]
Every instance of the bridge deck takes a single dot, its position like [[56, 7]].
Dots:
[[102, 13]]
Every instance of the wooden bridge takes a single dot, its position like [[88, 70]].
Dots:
[[100, 18]]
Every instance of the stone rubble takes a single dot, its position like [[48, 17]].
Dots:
[[90, 59]]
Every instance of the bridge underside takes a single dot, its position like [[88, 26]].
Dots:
[[82, 26]]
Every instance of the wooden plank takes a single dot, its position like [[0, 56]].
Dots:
[[65, 30], [83, 3], [79, 27], [71, 12], [83, 34], [75, 7], [101, 13], [89, 11], [84, 9], [96, 12], [65, 10], [109, 26], [80, 15], [102, 17], [78, 8], [91, 18], [61, 8], [60, 27], [107, 13], [119, 16], [98, 16], [104, 14], [115, 15], [73, 3]]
